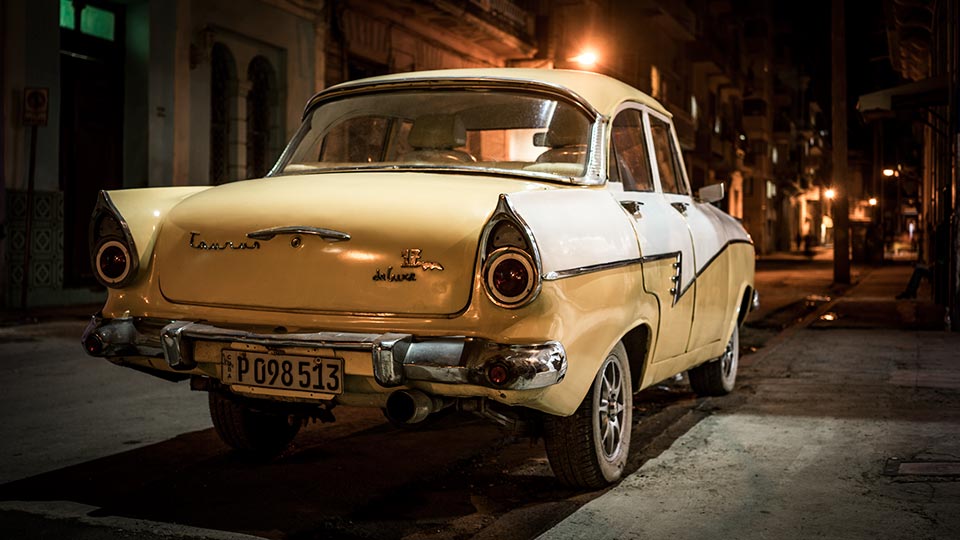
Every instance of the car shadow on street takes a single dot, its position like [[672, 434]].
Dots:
[[452, 478], [194, 480]]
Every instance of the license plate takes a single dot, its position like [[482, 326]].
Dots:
[[282, 371]]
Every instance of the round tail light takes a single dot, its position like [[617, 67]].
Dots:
[[498, 374], [93, 345], [112, 262], [510, 277]]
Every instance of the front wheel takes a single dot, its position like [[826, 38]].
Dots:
[[251, 432], [717, 377], [589, 448]]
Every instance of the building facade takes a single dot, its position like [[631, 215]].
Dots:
[[144, 93]]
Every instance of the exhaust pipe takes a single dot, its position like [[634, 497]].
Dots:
[[412, 406]]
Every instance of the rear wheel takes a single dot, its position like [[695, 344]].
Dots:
[[252, 432], [718, 377], [589, 448]]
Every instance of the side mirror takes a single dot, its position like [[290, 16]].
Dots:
[[711, 193]]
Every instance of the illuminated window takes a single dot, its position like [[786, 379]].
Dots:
[[694, 112], [94, 21], [655, 81], [67, 15], [97, 22]]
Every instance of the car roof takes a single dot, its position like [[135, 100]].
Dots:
[[600, 91]]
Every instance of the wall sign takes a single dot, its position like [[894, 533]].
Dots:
[[36, 106]]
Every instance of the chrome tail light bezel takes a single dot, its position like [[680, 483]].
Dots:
[[118, 236], [527, 253]]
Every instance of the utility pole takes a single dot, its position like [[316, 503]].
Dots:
[[841, 213]]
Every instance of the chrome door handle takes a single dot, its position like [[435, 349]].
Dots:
[[680, 206], [633, 207]]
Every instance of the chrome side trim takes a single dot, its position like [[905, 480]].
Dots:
[[677, 278], [706, 265], [327, 234], [661, 256], [572, 272]]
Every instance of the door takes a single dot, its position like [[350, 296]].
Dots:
[[705, 279], [662, 232], [91, 125]]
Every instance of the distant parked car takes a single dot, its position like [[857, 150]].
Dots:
[[518, 243]]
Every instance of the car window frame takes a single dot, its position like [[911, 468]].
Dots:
[[612, 156], [594, 165], [674, 143]]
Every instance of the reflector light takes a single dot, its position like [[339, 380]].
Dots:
[[93, 345], [498, 374]]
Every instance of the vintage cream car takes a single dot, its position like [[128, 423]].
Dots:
[[522, 244]]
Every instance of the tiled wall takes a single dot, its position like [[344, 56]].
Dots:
[[46, 253]]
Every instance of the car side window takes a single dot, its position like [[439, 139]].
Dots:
[[631, 164], [671, 177]]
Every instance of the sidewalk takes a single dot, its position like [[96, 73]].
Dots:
[[845, 427], [15, 317]]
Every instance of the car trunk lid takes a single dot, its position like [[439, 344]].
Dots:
[[377, 242]]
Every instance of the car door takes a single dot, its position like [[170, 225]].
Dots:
[[706, 278], [666, 247]]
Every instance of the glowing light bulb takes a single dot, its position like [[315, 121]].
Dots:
[[586, 58]]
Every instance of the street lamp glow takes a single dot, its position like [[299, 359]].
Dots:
[[872, 201], [888, 172], [830, 193], [586, 58]]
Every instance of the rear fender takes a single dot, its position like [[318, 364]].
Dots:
[[140, 212]]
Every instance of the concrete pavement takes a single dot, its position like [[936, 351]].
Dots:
[[846, 427], [60, 407]]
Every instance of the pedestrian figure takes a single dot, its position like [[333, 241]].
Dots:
[[799, 239], [808, 245]]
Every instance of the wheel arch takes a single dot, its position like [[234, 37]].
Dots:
[[746, 301], [638, 346]]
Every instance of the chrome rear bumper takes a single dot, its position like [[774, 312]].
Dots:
[[396, 358]]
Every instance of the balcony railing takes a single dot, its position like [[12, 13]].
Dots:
[[507, 12], [683, 122], [675, 17]]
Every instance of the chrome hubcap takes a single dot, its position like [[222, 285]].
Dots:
[[727, 361], [611, 409]]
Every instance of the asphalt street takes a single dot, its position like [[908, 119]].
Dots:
[[847, 427], [845, 395]]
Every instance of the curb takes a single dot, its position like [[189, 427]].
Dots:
[[82, 515]]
